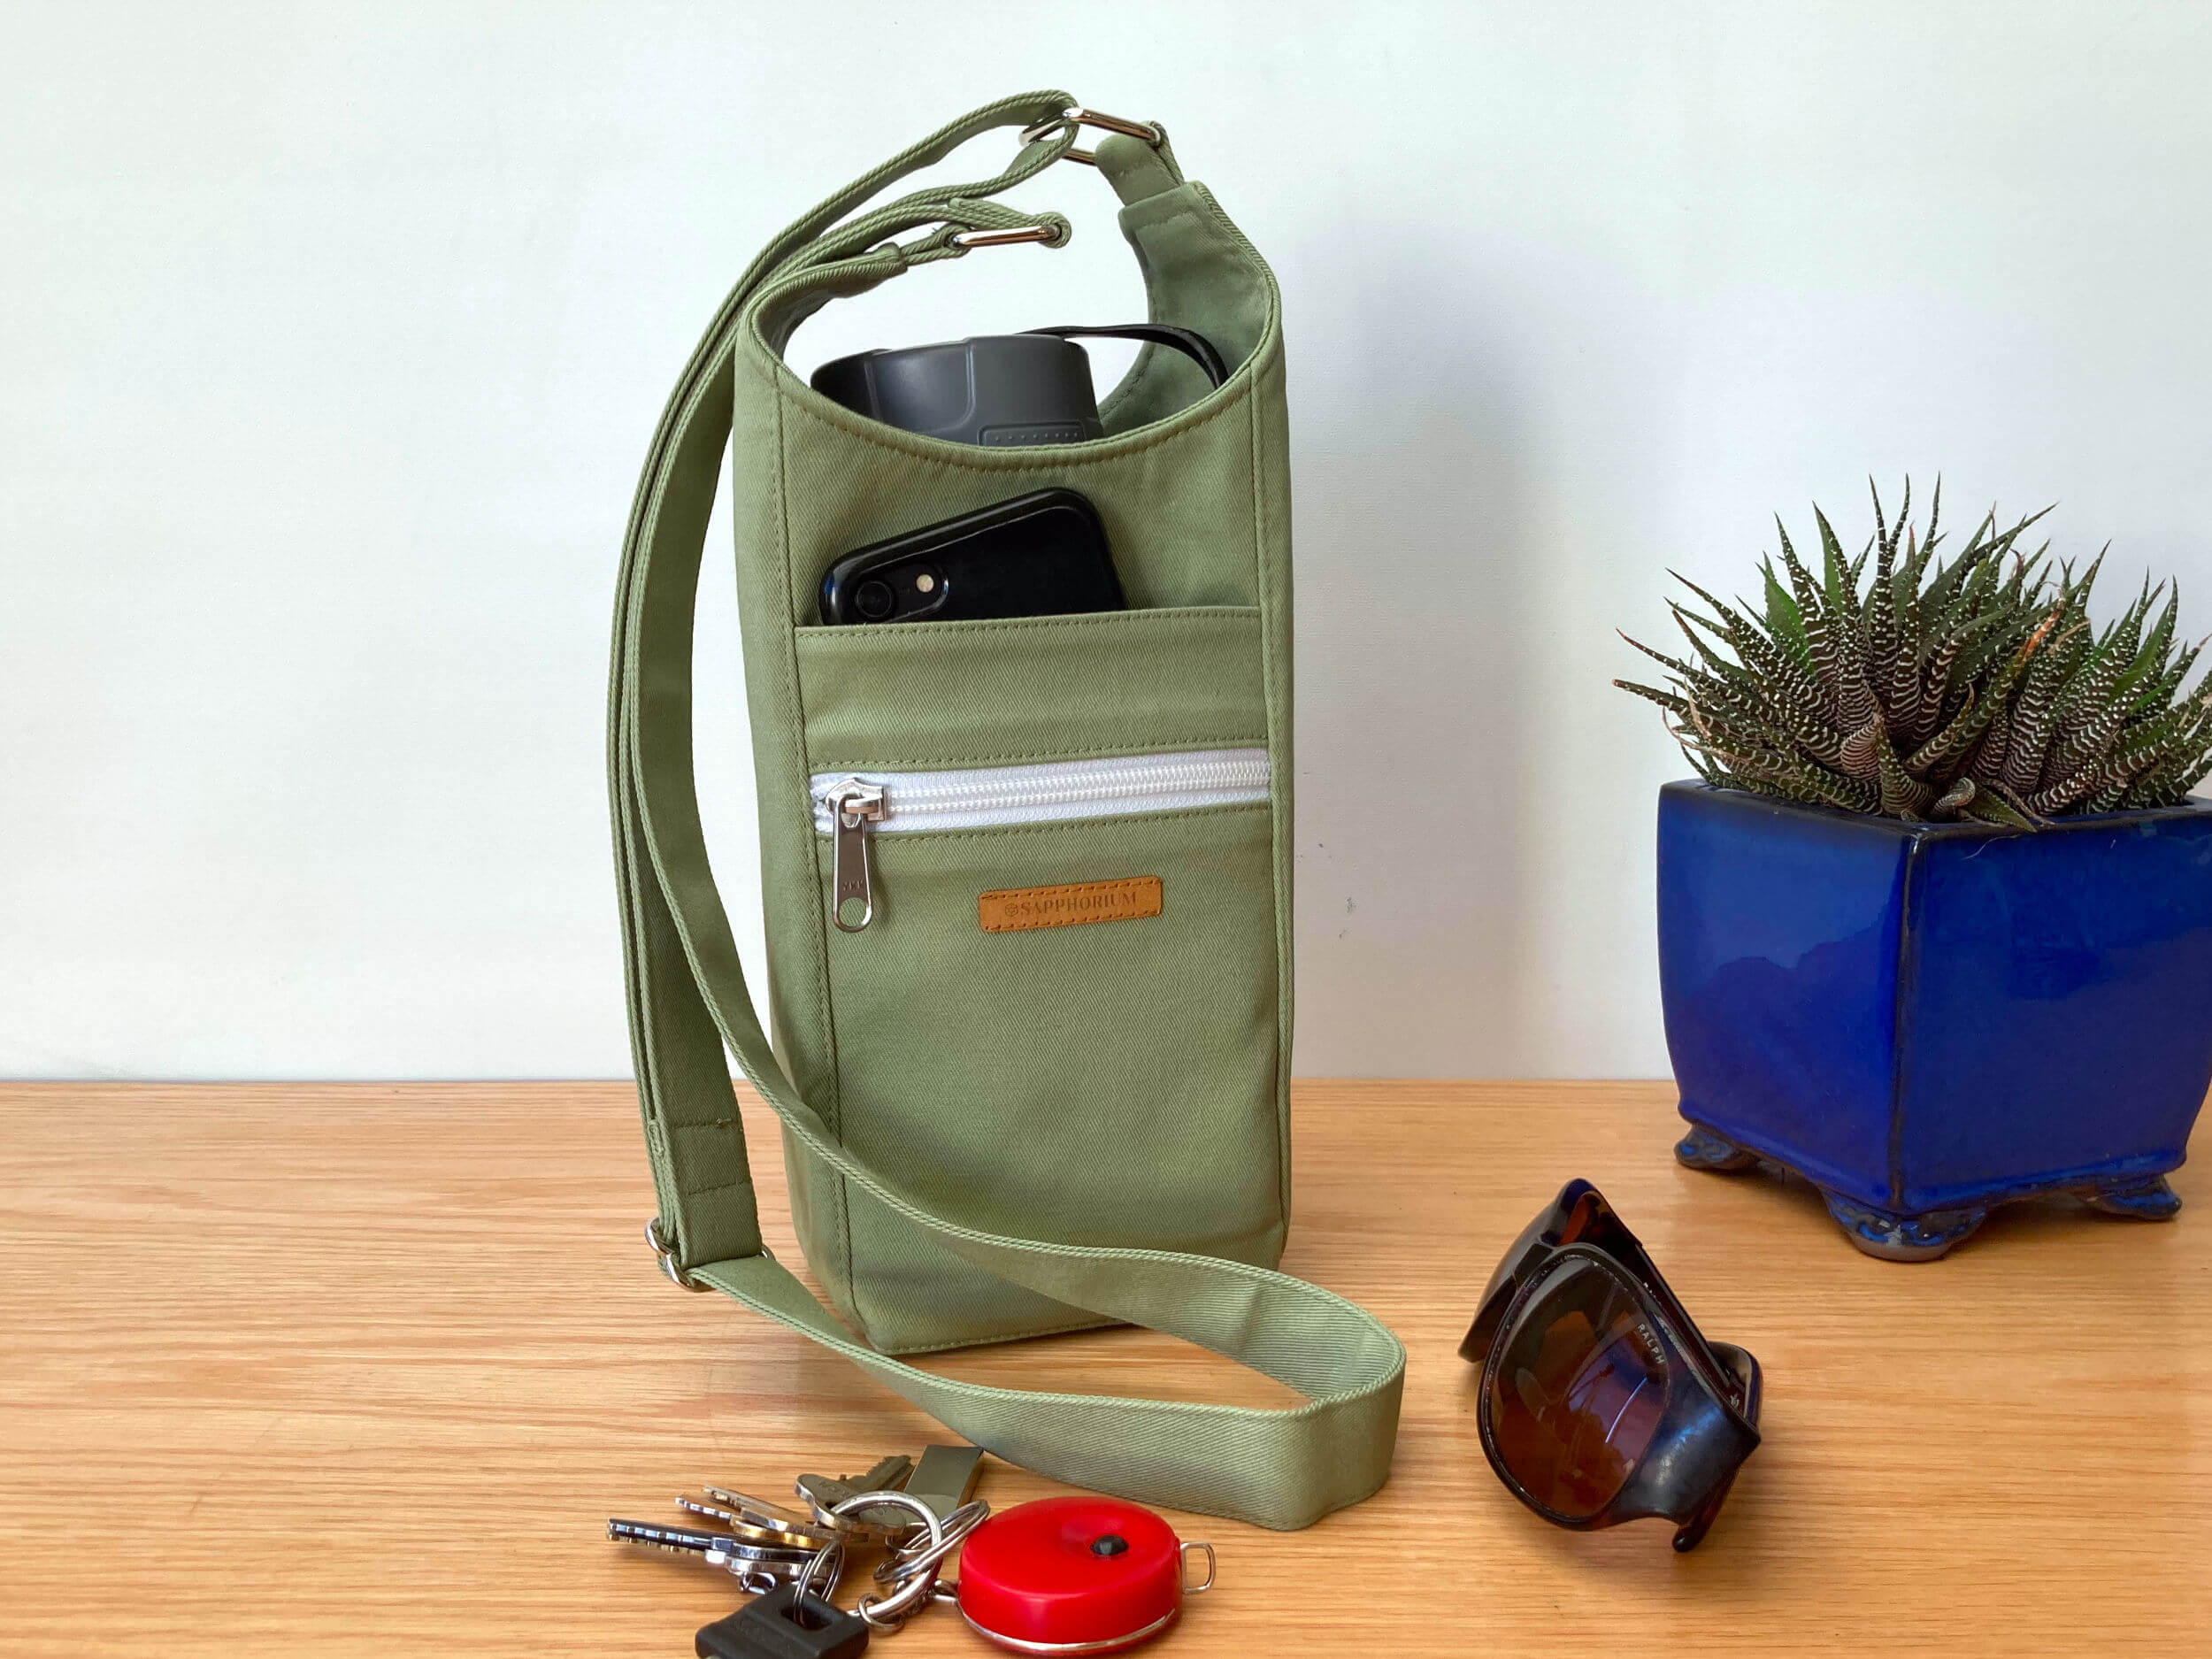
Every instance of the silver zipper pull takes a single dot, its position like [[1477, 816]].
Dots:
[[854, 805]]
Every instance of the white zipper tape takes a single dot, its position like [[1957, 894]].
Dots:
[[989, 797]]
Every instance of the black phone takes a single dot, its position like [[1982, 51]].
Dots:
[[1038, 554]]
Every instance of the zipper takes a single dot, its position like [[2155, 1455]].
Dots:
[[854, 806]]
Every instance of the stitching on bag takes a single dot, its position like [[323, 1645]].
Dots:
[[847, 643], [960, 464], [862, 638], [1154, 352], [1023, 1336], [824, 1002], [842, 642], [1250, 371], [1154, 355], [1182, 746], [720, 1186], [1274, 886]]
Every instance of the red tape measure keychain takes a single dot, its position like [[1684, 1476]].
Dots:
[[1075, 1576]]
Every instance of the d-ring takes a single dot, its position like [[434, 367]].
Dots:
[[1076, 115]]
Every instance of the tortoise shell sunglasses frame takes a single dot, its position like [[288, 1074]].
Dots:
[[1687, 1459]]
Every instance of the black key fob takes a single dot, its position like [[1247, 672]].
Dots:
[[782, 1625]]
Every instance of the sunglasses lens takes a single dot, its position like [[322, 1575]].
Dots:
[[1578, 1391]]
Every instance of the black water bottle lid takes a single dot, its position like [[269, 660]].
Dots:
[[996, 389], [992, 389]]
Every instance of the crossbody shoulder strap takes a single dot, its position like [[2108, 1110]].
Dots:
[[688, 1004]]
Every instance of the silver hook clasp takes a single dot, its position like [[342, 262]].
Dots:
[[1076, 115]]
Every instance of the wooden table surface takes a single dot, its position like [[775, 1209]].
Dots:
[[363, 1370]]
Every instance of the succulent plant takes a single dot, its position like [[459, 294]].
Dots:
[[1968, 686]]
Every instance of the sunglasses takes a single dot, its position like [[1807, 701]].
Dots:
[[1601, 1401]]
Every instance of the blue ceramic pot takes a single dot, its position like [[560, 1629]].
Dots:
[[1927, 1019]]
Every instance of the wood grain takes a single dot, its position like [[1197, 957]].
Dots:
[[296, 1369]]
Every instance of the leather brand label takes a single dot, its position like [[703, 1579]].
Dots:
[[1017, 909]]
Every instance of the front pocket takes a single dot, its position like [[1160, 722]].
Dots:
[[1094, 1052], [1114, 1083]]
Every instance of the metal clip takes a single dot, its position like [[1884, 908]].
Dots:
[[666, 1252], [1076, 115]]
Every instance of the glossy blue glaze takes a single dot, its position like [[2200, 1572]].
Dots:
[[1921, 1018]]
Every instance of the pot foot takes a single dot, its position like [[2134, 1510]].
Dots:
[[1702, 1149], [2146, 1201], [1895, 1237]]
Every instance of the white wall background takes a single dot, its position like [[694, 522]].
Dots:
[[331, 338]]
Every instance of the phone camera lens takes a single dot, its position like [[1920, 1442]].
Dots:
[[875, 599]]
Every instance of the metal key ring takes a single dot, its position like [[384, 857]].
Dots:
[[831, 1556], [908, 1560], [958, 1524], [889, 1612]]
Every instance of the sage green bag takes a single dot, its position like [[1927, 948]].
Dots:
[[1000, 1127]]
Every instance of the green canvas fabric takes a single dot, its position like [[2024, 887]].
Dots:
[[994, 1135]]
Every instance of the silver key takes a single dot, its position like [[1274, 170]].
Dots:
[[755, 1564], [759, 1523]]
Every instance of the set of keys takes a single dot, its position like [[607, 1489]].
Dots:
[[914, 1514], [1077, 1574]]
